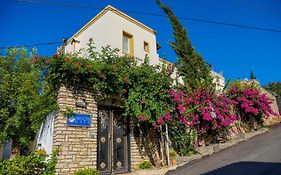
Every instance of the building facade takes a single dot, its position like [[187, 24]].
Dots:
[[115, 28], [97, 136]]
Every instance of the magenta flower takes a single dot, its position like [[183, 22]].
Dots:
[[207, 117], [168, 117], [181, 108], [183, 120], [196, 117], [234, 89], [232, 117], [225, 123], [160, 121]]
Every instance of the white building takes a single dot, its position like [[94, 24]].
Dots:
[[218, 80], [117, 29]]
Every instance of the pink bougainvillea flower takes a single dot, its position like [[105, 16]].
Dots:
[[226, 123], [168, 117], [160, 121], [207, 117], [196, 117], [245, 105], [232, 117], [234, 89], [183, 120], [181, 108]]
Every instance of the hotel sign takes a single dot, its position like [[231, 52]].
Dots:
[[79, 120]]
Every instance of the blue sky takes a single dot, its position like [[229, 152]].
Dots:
[[234, 51]]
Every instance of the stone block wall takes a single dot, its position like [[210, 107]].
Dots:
[[78, 145], [274, 105], [273, 119], [143, 148]]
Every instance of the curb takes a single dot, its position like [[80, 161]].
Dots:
[[202, 152], [209, 150]]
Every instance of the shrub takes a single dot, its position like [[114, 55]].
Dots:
[[23, 165], [40, 152], [34, 164], [145, 165], [51, 163], [204, 111], [250, 103], [88, 171]]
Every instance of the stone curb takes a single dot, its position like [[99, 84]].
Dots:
[[202, 151], [209, 150]]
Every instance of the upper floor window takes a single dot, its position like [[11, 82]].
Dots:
[[127, 44], [145, 46]]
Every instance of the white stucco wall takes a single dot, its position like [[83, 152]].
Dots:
[[108, 30], [218, 80]]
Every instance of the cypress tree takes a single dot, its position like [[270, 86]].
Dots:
[[190, 65], [252, 76]]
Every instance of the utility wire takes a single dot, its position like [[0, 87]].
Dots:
[[152, 14], [31, 45]]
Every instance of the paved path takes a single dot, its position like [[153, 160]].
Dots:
[[260, 155]]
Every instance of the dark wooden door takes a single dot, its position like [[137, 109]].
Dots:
[[112, 141]]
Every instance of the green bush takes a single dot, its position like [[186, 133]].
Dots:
[[88, 171], [145, 165], [33, 164], [23, 165], [51, 163]]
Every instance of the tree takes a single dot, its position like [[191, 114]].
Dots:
[[24, 99], [252, 76], [274, 87], [190, 65]]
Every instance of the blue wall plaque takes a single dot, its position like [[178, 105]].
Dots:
[[79, 120]]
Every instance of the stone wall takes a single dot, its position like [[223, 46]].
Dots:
[[273, 119], [143, 147], [272, 98], [78, 145]]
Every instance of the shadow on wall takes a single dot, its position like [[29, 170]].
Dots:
[[279, 104], [248, 168], [148, 143]]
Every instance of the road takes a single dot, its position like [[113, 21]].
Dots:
[[260, 155]]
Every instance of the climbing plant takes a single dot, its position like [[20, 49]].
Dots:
[[250, 104], [144, 88]]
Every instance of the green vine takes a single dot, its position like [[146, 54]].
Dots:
[[143, 87]]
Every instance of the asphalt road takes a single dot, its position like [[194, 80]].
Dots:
[[260, 155]]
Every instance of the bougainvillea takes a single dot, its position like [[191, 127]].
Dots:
[[250, 102], [143, 88], [203, 110]]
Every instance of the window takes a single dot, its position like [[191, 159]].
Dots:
[[145, 46], [127, 44]]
